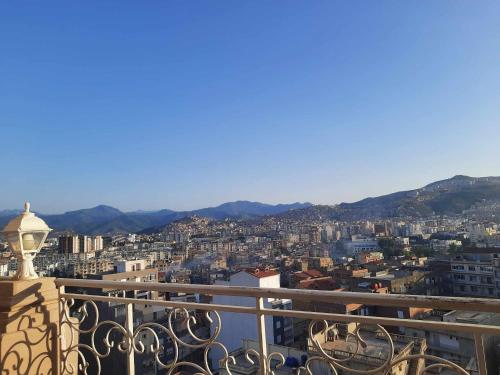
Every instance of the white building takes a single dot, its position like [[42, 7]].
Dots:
[[4, 267], [130, 265], [442, 246], [236, 327], [360, 244]]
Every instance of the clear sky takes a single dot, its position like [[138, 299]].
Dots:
[[188, 104]]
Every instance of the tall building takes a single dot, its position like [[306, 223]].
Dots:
[[69, 245], [80, 244], [381, 229]]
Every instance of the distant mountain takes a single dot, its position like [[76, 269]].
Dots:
[[6, 215], [133, 222], [241, 210], [81, 220], [105, 219], [446, 197], [9, 213], [246, 209]]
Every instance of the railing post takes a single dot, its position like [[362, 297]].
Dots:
[[63, 344], [261, 326], [129, 326], [480, 357]]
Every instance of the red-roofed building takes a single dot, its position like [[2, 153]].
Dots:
[[324, 283], [261, 272], [300, 276]]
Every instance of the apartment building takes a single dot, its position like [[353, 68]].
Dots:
[[80, 244], [85, 267], [473, 273]]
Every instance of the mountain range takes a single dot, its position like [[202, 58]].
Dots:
[[105, 219], [446, 197]]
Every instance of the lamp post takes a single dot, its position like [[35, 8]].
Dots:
[[26, 234]]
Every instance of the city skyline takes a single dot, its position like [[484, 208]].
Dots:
[[185, 106]]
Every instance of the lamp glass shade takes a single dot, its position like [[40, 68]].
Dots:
[[14, 240], [26, 234], [33, 241]]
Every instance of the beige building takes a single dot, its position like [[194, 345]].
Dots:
[[80, 244]]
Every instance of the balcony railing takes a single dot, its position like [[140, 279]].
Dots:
[[145, 335]]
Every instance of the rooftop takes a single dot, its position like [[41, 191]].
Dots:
[[261, 272]]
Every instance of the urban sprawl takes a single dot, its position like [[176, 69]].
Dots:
[[433, 256]]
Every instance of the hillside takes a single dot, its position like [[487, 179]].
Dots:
[[446, 197], [105, 219]]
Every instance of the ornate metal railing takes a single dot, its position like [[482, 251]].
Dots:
[[172, 341]]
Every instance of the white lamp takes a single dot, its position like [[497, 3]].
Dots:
[[26, 234]]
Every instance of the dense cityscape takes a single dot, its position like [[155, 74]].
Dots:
[[304, 249]]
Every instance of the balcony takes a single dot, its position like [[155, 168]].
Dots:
[[103, 328]]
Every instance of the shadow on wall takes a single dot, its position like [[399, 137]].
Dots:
[[29, 328]]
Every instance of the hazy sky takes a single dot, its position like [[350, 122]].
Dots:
[[186, 104]]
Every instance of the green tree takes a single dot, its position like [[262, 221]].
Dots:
[[454, 249], [422, 251], [389, 247]]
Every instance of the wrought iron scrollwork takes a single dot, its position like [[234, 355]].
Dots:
[[131, 342], [335, 364], [249, 353], [107, 335]]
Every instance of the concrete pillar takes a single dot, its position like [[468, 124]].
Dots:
[[29, 327]]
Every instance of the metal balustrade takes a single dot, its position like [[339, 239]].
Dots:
[[94, 338]]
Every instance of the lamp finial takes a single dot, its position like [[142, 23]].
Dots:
[[27, 206]]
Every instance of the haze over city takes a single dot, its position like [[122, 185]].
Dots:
[[188, 105]]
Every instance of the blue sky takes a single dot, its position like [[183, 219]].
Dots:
[[164, 104]]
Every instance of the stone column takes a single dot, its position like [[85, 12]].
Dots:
[[29, 327]]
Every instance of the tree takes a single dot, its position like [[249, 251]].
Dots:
[[389, 247], [454, 249], [422, 251]]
